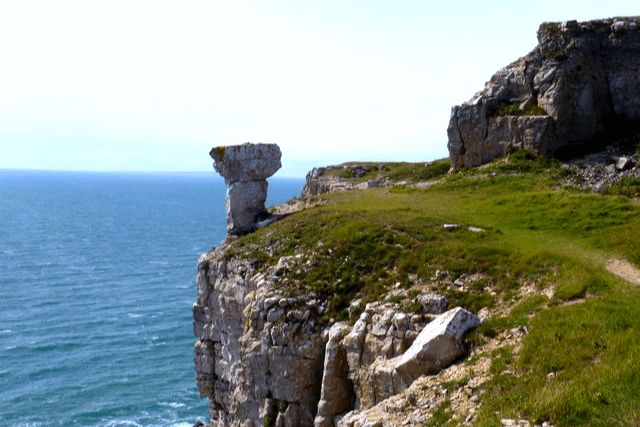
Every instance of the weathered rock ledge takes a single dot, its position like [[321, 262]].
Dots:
[[319, 181], [576, 91], [363, 176], [264, 357]]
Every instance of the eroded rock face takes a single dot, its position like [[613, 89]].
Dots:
[[245, 169], [246, 162], [581, 81], [259, 355], [263, 358], [337, 390]]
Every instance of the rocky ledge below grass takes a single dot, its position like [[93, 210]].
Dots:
[[365, 175]]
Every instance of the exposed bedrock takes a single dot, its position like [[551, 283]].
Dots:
[[259, 355], [577, 91], [263, 357], [245, 169]]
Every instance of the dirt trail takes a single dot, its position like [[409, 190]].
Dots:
[[625, 270]]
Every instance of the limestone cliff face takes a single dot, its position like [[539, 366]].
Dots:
[[577, 89], [259, 355], [264, 358]]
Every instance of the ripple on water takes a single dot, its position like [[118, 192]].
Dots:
[[97, 284]]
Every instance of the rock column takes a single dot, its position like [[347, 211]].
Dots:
[[245, 169]]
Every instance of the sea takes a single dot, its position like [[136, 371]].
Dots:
[[97, 280]]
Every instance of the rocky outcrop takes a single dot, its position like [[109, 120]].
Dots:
[[259, 355], [245, 169], [340, 178], [577, 90], [263, 357], [376, 359]]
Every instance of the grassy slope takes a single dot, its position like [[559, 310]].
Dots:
[[360, 243]]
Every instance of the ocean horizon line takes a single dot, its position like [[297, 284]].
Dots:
[[212, 173]]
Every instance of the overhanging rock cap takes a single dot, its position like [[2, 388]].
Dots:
[[246, 162]]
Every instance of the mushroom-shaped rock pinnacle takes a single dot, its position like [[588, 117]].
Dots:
[[246, 162]]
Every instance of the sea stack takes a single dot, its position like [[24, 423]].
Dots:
[[245, 168]]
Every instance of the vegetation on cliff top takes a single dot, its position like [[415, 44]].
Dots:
[[579, 363]]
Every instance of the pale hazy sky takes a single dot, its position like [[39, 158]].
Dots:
[[153, 85]]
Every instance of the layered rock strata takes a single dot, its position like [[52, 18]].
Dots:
[[577, 90], [263, 357], [259, 355], [245, 169]]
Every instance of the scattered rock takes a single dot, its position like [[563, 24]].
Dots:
[[602, 169], [433, 303], [624, 269], [624, 163], [506, 422]]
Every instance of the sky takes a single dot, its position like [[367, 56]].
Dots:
[[154, 85]]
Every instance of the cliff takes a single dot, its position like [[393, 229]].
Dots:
[[266, 356], [576, 92], [339, 313], [394, 294]]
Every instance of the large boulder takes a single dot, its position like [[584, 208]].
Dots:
[[436, 347], [576, 91], [383, 354], [439, 344]]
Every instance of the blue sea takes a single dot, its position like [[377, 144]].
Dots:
[[97, 280]]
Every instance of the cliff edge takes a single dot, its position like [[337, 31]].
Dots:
[[480, 298]]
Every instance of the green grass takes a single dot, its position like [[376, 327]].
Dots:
[[393, 171], [441, 416], [557, 55], [360, 243], [514, 110], [629, 187], [592, 351]]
